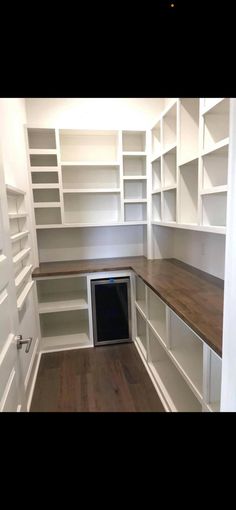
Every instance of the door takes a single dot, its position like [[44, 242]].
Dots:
[[12, 394]]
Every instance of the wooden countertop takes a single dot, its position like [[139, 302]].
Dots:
[[195, 296]]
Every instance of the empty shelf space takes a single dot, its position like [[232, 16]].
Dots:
[[44, 205], [46, 195], [169, 128], [17, 216], [90, 177], [92, 208], [19, 235], [22, 275], [44, 169], [156, 174], [156, 139], [134, 166], [61, 294], [23, 296], [213, 384], [88, 146], [135, 190], [45, 186], [169, 168], [41, 138], [156, 207], [189, 129], [43, 160], [176, 392], [169, 205], [140, 291], [50, 216], [157, 315], [21, 255], [215, 168], [188, 193], [44, 178], [88, 190], [214, 209], [135, 178], [216, 124], [65, 342], [64, 329], [134, 141], [187, 351], [135, 212], [63, 306], [214, 191], [39, 152], [210, 102]]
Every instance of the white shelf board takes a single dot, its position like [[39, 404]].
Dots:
[[177, 394], [22, 297], [134, 153], [63, 305], [11, 190], [16, 216], [21, 255], [154, 327], [171, 149], [22, 275], [141, 346], [70, 341], [189, 361], [44, 169], [42, 151], [214, 407], [187, 161], [216, 146], [19, 235], [214, 190], [46, 186], [83, 225], [46, 204], [141, 307], [168, 188], [200, 228], [207, 109], [90, 163], [155, 157], [157, 190], [135, 200], [134, 177], [92, 190]]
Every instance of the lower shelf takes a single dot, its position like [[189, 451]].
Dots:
[[64, 330], [65, 342]]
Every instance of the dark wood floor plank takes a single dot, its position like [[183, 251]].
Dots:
[[102, 379]]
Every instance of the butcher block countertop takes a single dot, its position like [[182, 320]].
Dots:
[[195, 296]]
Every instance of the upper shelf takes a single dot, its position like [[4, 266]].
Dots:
[[11, 190]]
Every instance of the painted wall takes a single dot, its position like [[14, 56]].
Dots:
[[95, 113]]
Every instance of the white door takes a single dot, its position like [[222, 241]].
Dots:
[[12, 394]]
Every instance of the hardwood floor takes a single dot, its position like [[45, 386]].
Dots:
[[102, 379]]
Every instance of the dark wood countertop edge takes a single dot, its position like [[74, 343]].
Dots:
[[211, 279]]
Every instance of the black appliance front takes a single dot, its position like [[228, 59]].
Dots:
[[111, 310]]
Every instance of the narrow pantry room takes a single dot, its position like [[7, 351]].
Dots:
[[117, 248]]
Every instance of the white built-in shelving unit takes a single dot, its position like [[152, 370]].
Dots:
[[185, 370], [21, 249], [190, 164]]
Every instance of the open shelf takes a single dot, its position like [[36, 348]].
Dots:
[[18, 236], [89, 207], [169, 168], [214, 209], [134, 141], [216, 124], [135, 212], [169, 205], [134, 166], [141, 337], [156, 174], [43, 160], [188, 193], [135, 189], [64, 330], [169, 128], [41, 138], [210, 102], [88, 145], [214, 382], [62, 294], [172, 385], [156, 139], [157, 315], [186, 349], [140, 294], [44, 177], [189, 129], [46, 195], [156, 207], [23, 295], [215, 168], [22, 275], [90, 177], [21, 255], [50, 216]]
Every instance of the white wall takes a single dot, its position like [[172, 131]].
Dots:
[[96, 113]]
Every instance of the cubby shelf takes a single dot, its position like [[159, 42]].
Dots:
[[43, 205], [200, 228], [90, 163], [42, 151], [216, 146], [83, 225], [97, 190]]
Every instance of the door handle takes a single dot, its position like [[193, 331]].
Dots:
[[20, 342]]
